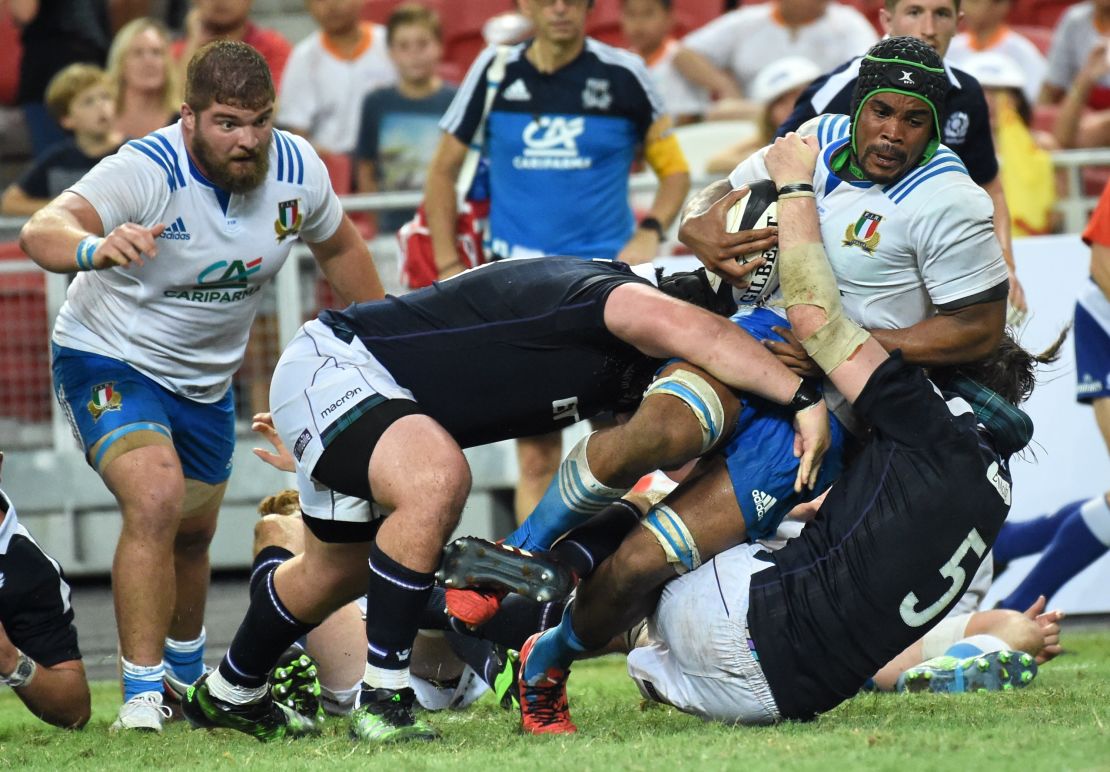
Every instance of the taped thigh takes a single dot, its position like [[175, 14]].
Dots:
[[699, 396], [126, 438], [201, 497], [674, 537]]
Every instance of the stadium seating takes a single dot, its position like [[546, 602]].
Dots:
[[10, 54], [1044, 117], [461, 23], [1039, 13], [701, 141], [25, 391]]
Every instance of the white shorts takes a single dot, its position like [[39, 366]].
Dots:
[[320, 385], [699, 658]]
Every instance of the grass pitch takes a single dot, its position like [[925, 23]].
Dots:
[[1062, 721]]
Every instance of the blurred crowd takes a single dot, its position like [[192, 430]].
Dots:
[[367, 87]]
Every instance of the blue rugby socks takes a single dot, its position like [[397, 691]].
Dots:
[[141, 678], [1083, 538], [573, 497], [1019, 538], [555, 649], [185, 659]]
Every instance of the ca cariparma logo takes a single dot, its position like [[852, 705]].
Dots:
[[104, 398], [289, 219], [864, 233]]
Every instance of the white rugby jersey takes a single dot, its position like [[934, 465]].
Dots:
[[183, 317], [899, 251]]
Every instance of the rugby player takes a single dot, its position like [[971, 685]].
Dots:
[[376, 401], [39, 657], [173, 239], [936, 293], [756, 636]]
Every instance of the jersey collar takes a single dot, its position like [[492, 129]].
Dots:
[[835, 180], [223, 196]]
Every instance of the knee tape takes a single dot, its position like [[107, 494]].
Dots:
[[940, 638], [807, 279], [699, 396], [673, 536], [202, 497]]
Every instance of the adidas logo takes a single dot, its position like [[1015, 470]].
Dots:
[[517, 92], [176, 231], [763, 503]]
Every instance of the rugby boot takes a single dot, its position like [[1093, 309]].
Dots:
[[994, 671], [294, 683], [264, 720], [144, 712], [489, 571], [543, 700], [505, 683], [388, 717]]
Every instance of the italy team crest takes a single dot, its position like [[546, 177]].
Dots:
[[104, 398], [865, 233], [289, 219]]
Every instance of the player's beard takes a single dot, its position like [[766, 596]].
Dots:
[[223, 174]]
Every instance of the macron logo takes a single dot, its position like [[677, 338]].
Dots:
[[763, 503], [176, 231], [339, 402], [517, 92]]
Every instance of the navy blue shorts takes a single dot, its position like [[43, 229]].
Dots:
[[1092, 344], [104, 397]]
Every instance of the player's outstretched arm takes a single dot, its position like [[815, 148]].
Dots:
[[845, 351], [346, 262], [67, 236], [58, 694], [662, 326]]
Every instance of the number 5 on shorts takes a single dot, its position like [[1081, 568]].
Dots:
[[951, 571]]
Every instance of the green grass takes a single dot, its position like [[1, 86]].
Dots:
[[1061, 722]]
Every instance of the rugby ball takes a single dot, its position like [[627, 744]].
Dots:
[[757, 209]]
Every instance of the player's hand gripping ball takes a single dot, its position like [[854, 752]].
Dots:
[[758, 209]]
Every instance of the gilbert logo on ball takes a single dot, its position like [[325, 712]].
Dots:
[[758, 209]]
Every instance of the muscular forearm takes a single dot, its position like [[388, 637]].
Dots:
[[945, 339], [50, 238]]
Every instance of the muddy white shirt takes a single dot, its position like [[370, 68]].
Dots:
[[183, 318]]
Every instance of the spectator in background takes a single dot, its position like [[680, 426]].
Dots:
[[776, 88], [399, 129], [229, 20], [986, 30], [1079, 30], [647, 26], [80, 100], [329, 72], [1026, 169], [56, 33], [1076, 124], [143, 78], [725, 55], [566, 122], [39, 656]]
